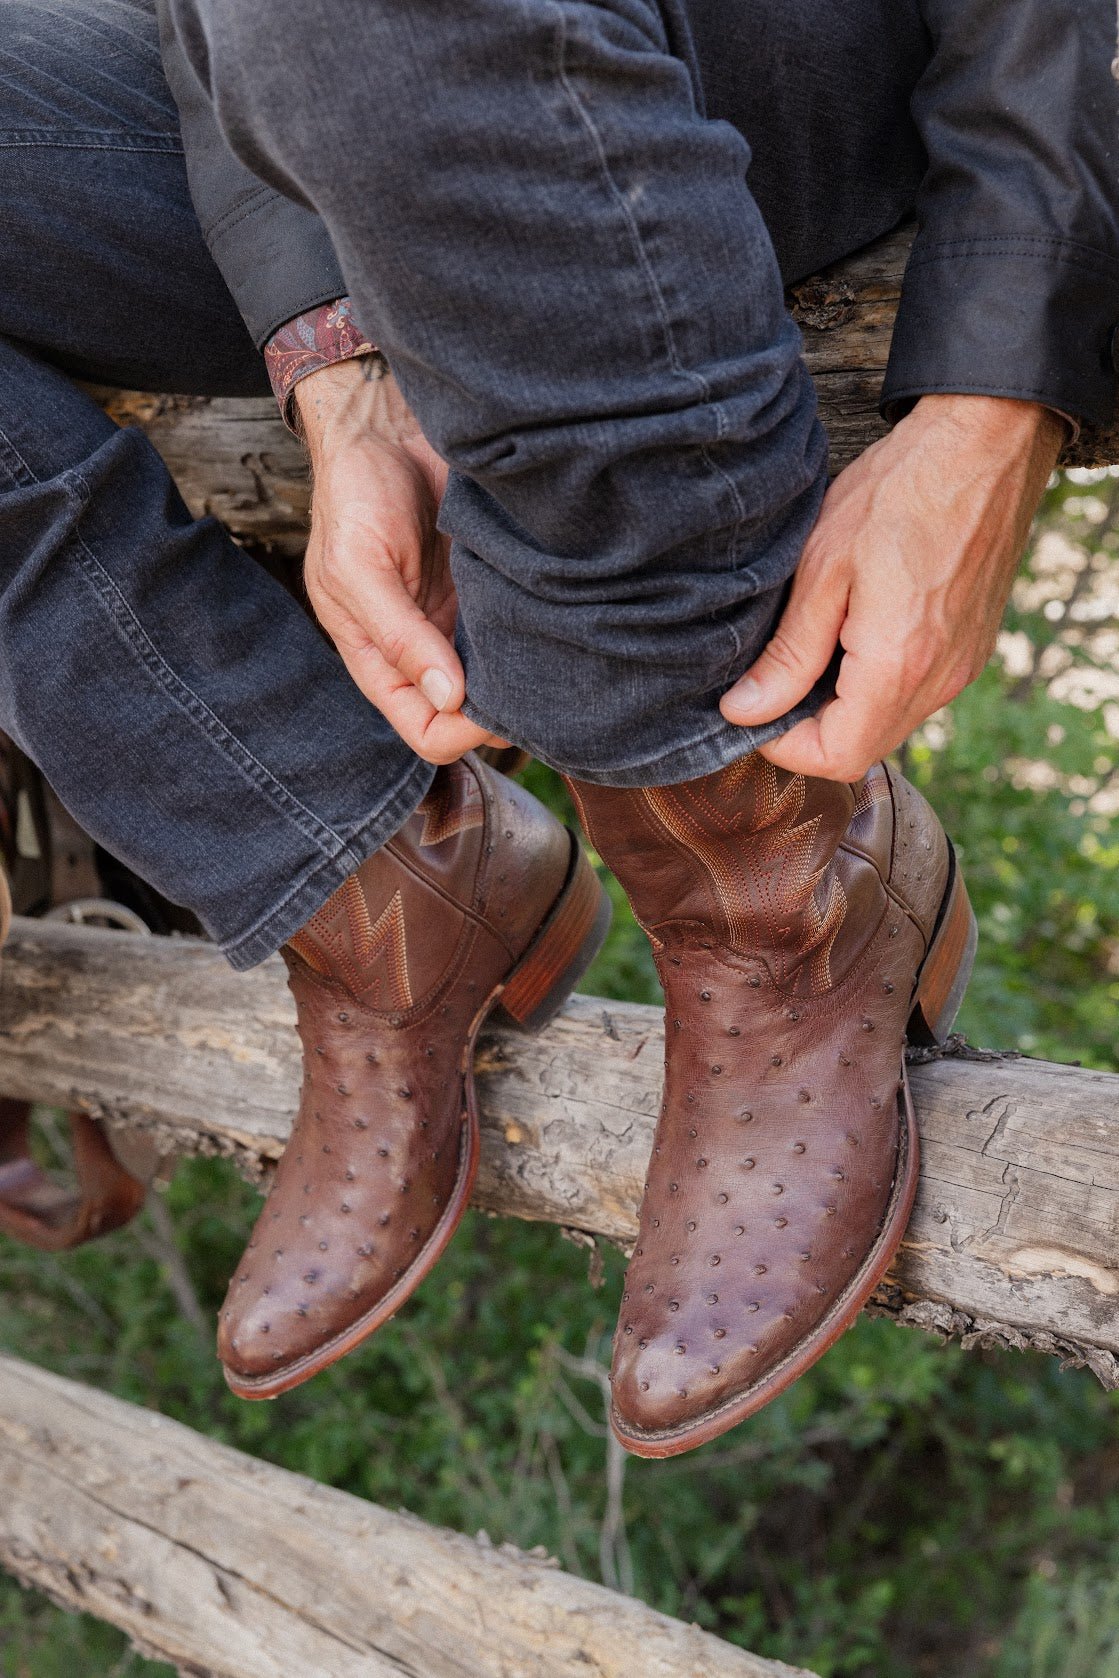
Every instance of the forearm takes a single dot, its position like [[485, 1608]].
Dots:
[[1004, 426]]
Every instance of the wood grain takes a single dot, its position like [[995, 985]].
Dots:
[[235, 460], [230, 1568], [1015, 1238]]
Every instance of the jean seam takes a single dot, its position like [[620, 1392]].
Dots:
[[21, 474], [694, 378], [726, 678], [1008, 247], [249, 767], [395, 802], [20, 140]]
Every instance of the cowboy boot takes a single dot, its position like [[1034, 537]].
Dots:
[[482, 901], [800, 928]]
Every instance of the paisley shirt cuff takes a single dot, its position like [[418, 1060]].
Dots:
[[311, 341]]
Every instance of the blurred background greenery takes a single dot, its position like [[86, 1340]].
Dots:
[[907, 1509]]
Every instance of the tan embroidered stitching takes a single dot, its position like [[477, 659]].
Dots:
[[780, 873], [452, 806]]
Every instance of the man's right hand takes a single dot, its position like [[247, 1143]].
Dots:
[[908, 570], [377, 569]]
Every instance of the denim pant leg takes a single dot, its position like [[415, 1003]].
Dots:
[[179, 701], [562, 261]]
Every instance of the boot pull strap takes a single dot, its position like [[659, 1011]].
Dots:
[[36, 1211]]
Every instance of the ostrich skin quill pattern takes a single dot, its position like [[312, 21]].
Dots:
[[790, 920], [482, 894]]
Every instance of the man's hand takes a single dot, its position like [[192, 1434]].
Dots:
[[909, 569], [377, 570]]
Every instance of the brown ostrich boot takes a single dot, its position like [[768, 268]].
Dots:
[[800, 928], [482, 900]]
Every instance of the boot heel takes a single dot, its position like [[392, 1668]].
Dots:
[[561, 952], [946, 969]]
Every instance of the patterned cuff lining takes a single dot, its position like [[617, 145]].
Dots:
[[311, 341]]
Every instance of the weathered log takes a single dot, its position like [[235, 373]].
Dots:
[[1015, 1238], [234, 459], [230, 1568]]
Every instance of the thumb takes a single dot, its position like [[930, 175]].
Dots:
[[800, 650]]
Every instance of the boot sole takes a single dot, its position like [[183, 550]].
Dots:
[[561, 951], [938, 992]]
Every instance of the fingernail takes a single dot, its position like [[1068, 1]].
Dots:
[[436, 688], [745, 693]]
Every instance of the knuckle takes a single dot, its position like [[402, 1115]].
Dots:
[[956, 679], [846, 765], [394, 647], [783, 652]]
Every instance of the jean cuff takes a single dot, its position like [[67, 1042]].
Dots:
[[674, 760], [316, 882]]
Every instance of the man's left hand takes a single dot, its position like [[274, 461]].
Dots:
[[377, 570], [908, 568]]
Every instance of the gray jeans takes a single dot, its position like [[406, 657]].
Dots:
[[551, 263]]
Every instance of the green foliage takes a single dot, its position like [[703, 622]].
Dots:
[[907, 1509], [37, 1641], [1024, 772], [1068, 1630]]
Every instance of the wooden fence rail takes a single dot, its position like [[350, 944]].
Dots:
[[1015, 1238], [230, 1568]]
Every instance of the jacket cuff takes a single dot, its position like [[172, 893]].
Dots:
[[1027, 317], [283, 268]]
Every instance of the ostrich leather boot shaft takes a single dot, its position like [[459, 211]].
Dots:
[[799, 928], [482, 900]]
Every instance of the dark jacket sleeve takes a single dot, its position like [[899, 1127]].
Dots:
[[1012, 288], [274, 254]]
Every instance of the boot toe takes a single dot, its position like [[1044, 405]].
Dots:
[[675, 1380], [728, 1298], [308, 1281], [253, 1342], [661, 1386]]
